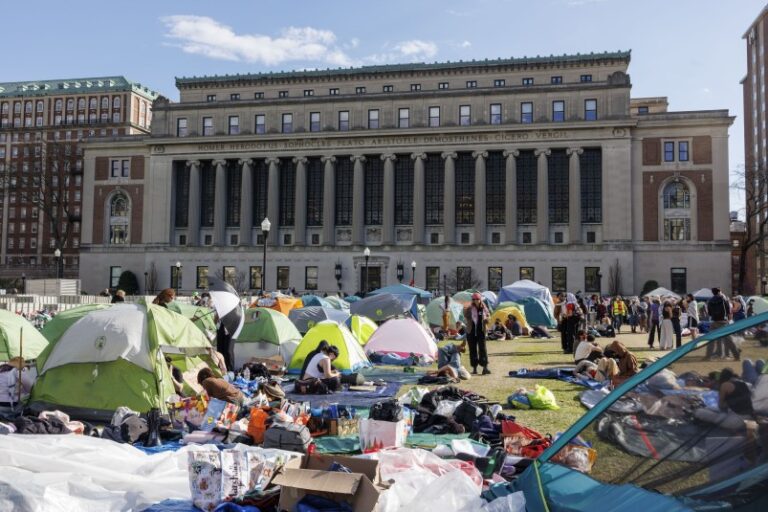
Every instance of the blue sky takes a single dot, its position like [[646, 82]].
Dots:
[[688, 50]]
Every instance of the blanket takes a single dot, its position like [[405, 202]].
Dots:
[[564, 374], [351, 398]]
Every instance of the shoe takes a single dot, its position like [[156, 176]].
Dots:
[[474, 370], [486, 371]]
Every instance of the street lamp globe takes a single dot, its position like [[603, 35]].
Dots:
[[178, 264], [265, 225], [367, 253], [413, 265], [57, 253]]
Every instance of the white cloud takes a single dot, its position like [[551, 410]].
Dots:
[[465, 44], [417, 48], [205, 36]]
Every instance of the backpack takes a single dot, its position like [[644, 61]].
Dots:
[[387, 410], [288, 436], [311, 386], [258, 370]]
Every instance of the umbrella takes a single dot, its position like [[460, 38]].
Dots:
[[227, 304]]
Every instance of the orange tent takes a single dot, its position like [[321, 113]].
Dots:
[[281, 304]]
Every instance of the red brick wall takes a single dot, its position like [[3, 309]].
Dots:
[[652, 151], [702, 150], [137, 167], [702, 179], [102, 168]]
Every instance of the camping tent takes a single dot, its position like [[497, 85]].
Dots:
[[661, 292], [314, 300], [266, 333], [362, 327], [403, 289], [759, 304], [349, 299], [385, 306], [537, 312], [337, 303], [464, 297], [526, 288], [509, 304], [501, 314], [645, 457], [115, 357], [15, 329], [490, 298], [204, 318], [351, 356], [703, 294], [283, 304], [402, 336], [306, 318], [435, 312]]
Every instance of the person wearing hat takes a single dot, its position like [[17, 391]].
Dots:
[[10, 380], [476, 315]]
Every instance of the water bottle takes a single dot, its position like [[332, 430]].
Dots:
[[247, 373]]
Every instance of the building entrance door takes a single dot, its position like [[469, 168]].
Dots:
[[373, 281]]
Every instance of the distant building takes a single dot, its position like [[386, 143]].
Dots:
[[42, 125], [481, 171]]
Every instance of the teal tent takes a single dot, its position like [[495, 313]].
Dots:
[[403, 289], [636, 451], [537, 312]]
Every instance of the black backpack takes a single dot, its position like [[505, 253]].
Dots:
[[387, 410]]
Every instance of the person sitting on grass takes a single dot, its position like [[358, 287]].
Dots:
[[219, 388], [449, 360], [626, 360], [320, 367], [587, 349], [513, 325], [734, 403], [499, 332]]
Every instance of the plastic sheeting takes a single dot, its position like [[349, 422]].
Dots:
[[84, 474]]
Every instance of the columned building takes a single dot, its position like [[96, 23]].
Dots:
[[484, 171]]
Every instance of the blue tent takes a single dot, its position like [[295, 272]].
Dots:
[[314, 300], [349, 299], [385, 306], [536, 312], [403, 289], [643, 457], [306, 318]]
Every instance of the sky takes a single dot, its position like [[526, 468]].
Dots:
[[691, 51]]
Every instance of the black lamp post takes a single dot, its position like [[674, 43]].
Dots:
[[23, 283], [337, 274], [413, 273], [146, 282], [600, 284], [400, 272], [178, 277], [265, 226], [765, 282], [445, 284], [366, 254], [57, 257]]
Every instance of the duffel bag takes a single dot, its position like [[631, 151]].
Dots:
[[288, 436]]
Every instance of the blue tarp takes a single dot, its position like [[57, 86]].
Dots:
[[385, 306], [351, 398], [403, 289], [564, 374], [307, 317]]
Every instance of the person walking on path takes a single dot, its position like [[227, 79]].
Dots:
[[654, 321], [693, 316], [677, 313], [619, 310], [476, 315]]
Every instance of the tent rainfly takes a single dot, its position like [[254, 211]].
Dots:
[[351, 356], [266, 333], [402, 336]]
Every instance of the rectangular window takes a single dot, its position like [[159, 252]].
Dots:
[[258, 95], [207, 126], [669, 151], [358, 90], [287, 126], [287, 184], [210, 97], [592, 278], [591, 163], [176, 277], [403, 118], [526, 112], [642, 110], [559, 279], [558, 111], [590, 110], [558, 185], [234, 97], [261, 124], [495, 278], [499, 83], [125, 168], [528, 81], [679, 280], [344, 120], [403, 190], [585, 78], [234, 125], [434, 238], [527, 273], [591, 238], [315, 175], [310, 278], [433, 278], [114, 276], [556, 80], [373, 199], [434, 190], [434, 117], [527, 183], [677, 230], [334, 91], [471, 84], [465, 115], [283, 278], [415, 87], [465, 189], [388, 88], [230, 275], [115, 171], [314, 121], [495, 113], [201, 280], [682, 151], [344, 191], [282, 94], [373, 119], [254, 278], [463, 278], [307, 92], [495, 196], [442, 85]]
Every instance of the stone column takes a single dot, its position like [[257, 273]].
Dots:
[[220, 203], [480, 194], [246, 202], [358, 200], [388, 231], [542, 197], [510, 196], [273, 199], [193, 209], [449, 204], [574, 195], [329, 201], [300, 210], [418, 197]]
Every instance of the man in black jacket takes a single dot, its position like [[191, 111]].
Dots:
[[720, 315]]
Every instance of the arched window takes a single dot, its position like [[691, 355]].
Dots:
[[5, 107], [104, 102], [119, 215], [92, 103], [57, 105], [28, 107], [70, 104], [81, 104], [39, 106], [677, 211], [116, 102]]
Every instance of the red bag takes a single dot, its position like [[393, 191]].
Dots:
[[523, 441]]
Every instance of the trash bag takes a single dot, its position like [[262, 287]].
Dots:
[[543, 398], [519, 400], [514, 502]]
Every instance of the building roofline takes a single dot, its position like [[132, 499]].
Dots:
[[400, 68], [763, 11], [74, 85]]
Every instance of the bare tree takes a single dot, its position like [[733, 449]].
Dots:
[[151, 279], [754, 185], [614, 279], [467, 279], [237, 279]]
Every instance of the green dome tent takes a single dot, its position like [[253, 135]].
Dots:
[[362, 327], [112, 357], [11, 327], [204, 318], [266, 333], [435, 312], [351, 356]]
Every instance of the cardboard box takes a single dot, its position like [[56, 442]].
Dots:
[[376, 435], [344, 427], [359, 488]]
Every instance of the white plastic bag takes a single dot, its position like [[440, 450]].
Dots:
[[514, 502], [446, 408]]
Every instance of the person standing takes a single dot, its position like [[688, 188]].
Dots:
[[654, 321], [719, 309], [667, 330], [619, 312], [693, 316], [677, 313], [476, 315]]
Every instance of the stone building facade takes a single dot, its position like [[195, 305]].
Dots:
[[482, 171]]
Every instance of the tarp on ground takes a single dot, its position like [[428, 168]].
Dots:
[[362, 328], [266, 333], [385, 306], [526, 288], [435, 310], [661, 292], [15, 330], [502, 314], [351, 356], [307, 317], [537, 312], [402, 336], [403, 289]]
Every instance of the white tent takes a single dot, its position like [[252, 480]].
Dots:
[[661, 292], [402, 336], [703, 294], [526, 288]]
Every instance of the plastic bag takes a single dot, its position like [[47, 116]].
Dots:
[[514, 502], [446, 408], [543, 398], [519, 400], [234, 474], [413, 396], [205, 478]]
